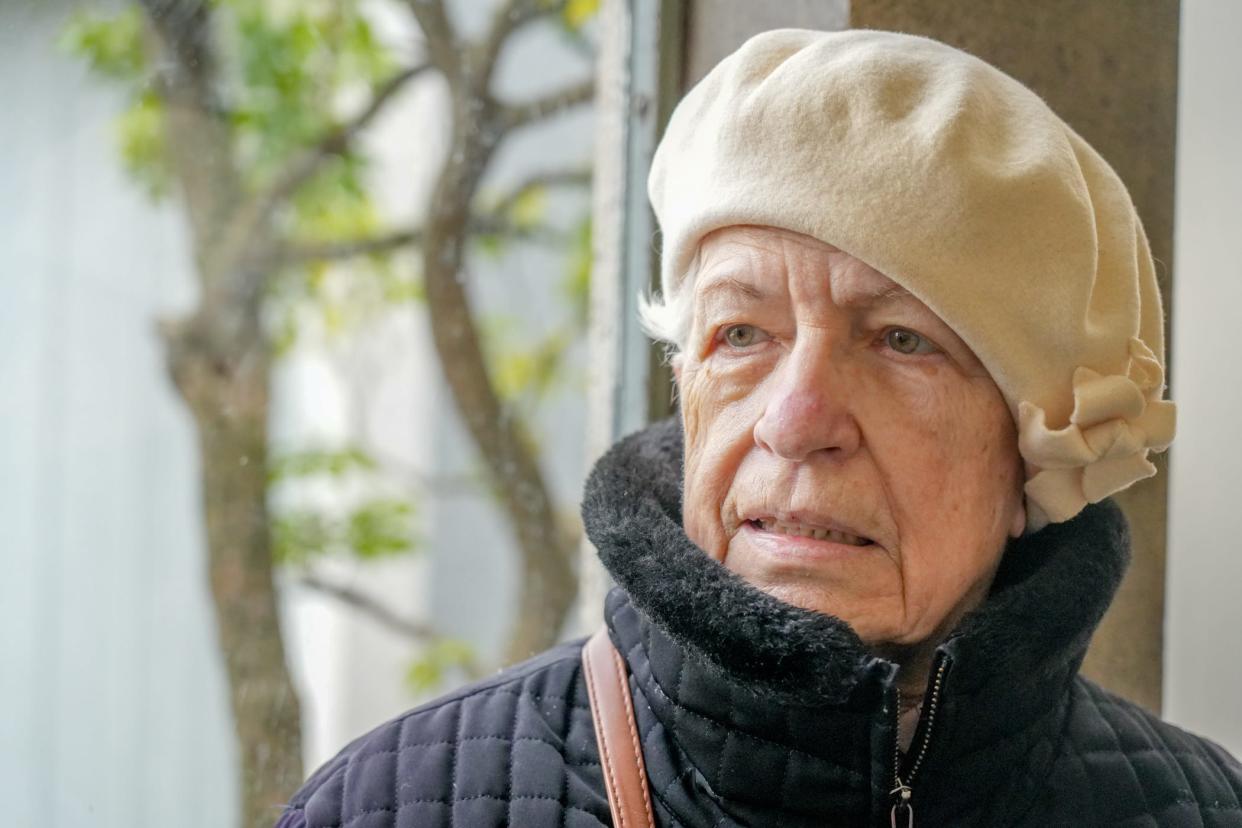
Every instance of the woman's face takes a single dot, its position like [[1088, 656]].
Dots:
[[845, 450]]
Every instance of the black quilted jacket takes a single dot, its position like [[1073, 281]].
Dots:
[[753, 712]]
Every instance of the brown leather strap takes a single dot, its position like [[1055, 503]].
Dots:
[[616, 731]]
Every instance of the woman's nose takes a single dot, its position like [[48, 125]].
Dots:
[[808, 411]]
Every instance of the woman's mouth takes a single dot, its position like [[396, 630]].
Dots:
[[811, 531]]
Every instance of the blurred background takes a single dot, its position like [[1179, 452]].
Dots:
[[315, 313]]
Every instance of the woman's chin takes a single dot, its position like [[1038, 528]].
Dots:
[[807, 596], [819, 571]]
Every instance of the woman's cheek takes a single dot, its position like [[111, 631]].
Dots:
[[718, 434], [696, 424], [938, 421], [702, 505], [712, 390]]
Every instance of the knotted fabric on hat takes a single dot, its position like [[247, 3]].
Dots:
[[961, 185]]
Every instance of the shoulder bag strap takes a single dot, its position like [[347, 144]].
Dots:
[[616, 731]]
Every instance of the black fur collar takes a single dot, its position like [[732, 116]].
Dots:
[[1050, 593]]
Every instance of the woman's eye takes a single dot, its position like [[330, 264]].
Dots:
[[908, 342], [743, 336]]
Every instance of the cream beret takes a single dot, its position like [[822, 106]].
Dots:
[[961, 185]]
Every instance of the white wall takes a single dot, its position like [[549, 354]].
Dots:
[[113, 710], [1203, 620]]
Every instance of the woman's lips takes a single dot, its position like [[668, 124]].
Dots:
[[806, 530], [801, 544]]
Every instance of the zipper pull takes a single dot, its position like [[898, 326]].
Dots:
[[903, 792]]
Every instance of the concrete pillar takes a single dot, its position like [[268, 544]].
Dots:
[[715, 28]]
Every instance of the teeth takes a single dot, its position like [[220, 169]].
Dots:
[[803, 530]]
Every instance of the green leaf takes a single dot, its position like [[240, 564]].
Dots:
[[335, 204], [380, 528], [532, 372], [144, 151], [491, 245], [292, 62], [300, 535], [408, 290], [363, 52], [576, 288], [111, 44], [529, 208], [311, 462], [524, 369], [333, 315], [398, 289], [577, 12], [426, 673], [285, 337]]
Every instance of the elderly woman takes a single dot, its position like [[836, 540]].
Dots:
[[918, 342]]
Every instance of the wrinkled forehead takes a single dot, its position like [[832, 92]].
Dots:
[[756, 262]]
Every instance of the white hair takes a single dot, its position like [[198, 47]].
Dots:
[[667, 317]]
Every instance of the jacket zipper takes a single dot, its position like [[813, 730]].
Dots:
[[903, 791]]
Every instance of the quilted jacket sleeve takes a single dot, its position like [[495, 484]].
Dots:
[[516, 749], [292, 819], [1120, 764]]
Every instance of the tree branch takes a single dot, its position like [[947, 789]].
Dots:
[[509, 17], [542, 234], [540, 180], [198, 138], [416, 630], [461, 484], [184, 31], [300, 169], [349, 248], [547, 580], [513, 116], [492, 223], [441, 40]]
